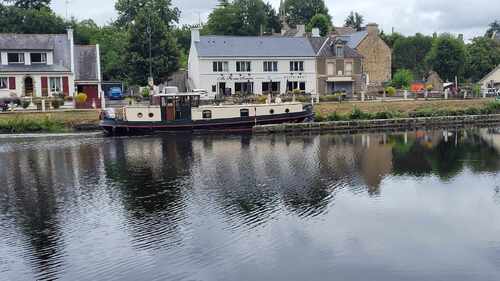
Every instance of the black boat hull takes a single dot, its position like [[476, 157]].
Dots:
[[117, 127]]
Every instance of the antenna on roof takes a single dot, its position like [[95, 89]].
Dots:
[[67, 9]]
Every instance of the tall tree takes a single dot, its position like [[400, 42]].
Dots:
[[30, 4], [128, 10], [242, 17], [410, 53], [447, 57], [301, 11], [354, 20], [493, 27], [390, 39], [164, 51], [19, 20], [322, 22], [483, 56]]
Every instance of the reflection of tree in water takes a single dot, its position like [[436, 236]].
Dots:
[[444, 158], [152, 175]]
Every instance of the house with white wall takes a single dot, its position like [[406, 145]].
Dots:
[[45, 65], [228, 65], [491, 80]]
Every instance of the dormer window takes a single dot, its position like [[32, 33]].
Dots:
[[15, 58], [38, 58], [339, 50]]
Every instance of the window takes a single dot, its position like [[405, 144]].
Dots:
[[38, 57], [271, 111], [270, 66], [296, 66], [4, 83], [287, 110], [331, 69], [214, 88], [15, 57], [243, 88], [339, 51], [151, 115], [206, 114], [270, 87], [55, 84], [244, 112], [243, 66], [292, 85], [139, 115], [348, 68], [220, 66]]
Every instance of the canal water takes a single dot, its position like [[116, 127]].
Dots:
[[419, 205]]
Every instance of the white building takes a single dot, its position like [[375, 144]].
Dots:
[[230, 65], [45, 65], [492, 79]]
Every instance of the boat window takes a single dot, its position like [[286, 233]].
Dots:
[[244, 112], [151, 115], [139, 115], [287, 110], [271, 111], [207, 114]]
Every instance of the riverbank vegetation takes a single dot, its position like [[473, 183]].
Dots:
[[391, 110], [49, 122]]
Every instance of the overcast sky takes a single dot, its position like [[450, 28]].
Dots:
[[408, 17]]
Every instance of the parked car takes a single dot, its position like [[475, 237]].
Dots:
[[115, 93]]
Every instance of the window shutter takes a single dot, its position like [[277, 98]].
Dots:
[[45, 87], [65, 86], [12, 83]]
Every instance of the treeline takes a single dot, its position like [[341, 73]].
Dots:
[[414, 56]]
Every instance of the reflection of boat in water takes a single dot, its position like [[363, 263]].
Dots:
[[174, 112]]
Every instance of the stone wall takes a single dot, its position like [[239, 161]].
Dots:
[[377, 57]]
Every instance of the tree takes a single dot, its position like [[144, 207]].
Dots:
[[390, 39], [494, 26], [354, 20], [483, 56], [447, 57], [301, 12], [19, 20], [410, 53], [128, 10], [402, 79], [164, 51], [322, 22], [242, 17], [30, 4]]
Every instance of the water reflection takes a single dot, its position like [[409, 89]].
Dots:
[[120, 209]]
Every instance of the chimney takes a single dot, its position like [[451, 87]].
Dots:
[[301, 30], [315, 32], [372, 29], [195, 35]]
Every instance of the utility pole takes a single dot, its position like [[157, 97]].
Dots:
[[67, 9], [150, 79]]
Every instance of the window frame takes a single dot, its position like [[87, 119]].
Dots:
[[6, 83], [55, 89], [243, 66], [296, 66], [43, 58], [244, 112], [20, 58], [270, 66], [220, 66]]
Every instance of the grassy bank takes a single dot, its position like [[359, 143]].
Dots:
[[48, 122], [403, 109]]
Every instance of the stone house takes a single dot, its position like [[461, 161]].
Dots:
[[339, 68], [435, 81], [492, 79], [377, 56]]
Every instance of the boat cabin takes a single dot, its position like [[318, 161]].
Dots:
[[176, 106]]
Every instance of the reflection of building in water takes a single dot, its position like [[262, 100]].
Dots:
[[40, 184]]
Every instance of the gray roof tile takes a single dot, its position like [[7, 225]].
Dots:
[[86, 63], [243, 46], [354, 39]]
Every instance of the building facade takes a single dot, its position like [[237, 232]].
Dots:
[[491, 80], [228, 65], [45, 65]]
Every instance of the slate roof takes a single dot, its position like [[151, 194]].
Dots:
[[86, 63], [252, 46], [58, 43], [354, 39], [323, 49]]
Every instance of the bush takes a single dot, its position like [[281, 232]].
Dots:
[[68, 98], [146, 93], [402, 79], [390, 91], [56, 103], [81, 98], [25, 104], [319, 118], [303, 99], [335, 117], [358, 114], [296, 92], [261, 99]]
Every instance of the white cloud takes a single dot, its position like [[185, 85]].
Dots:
[[408, 17]]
